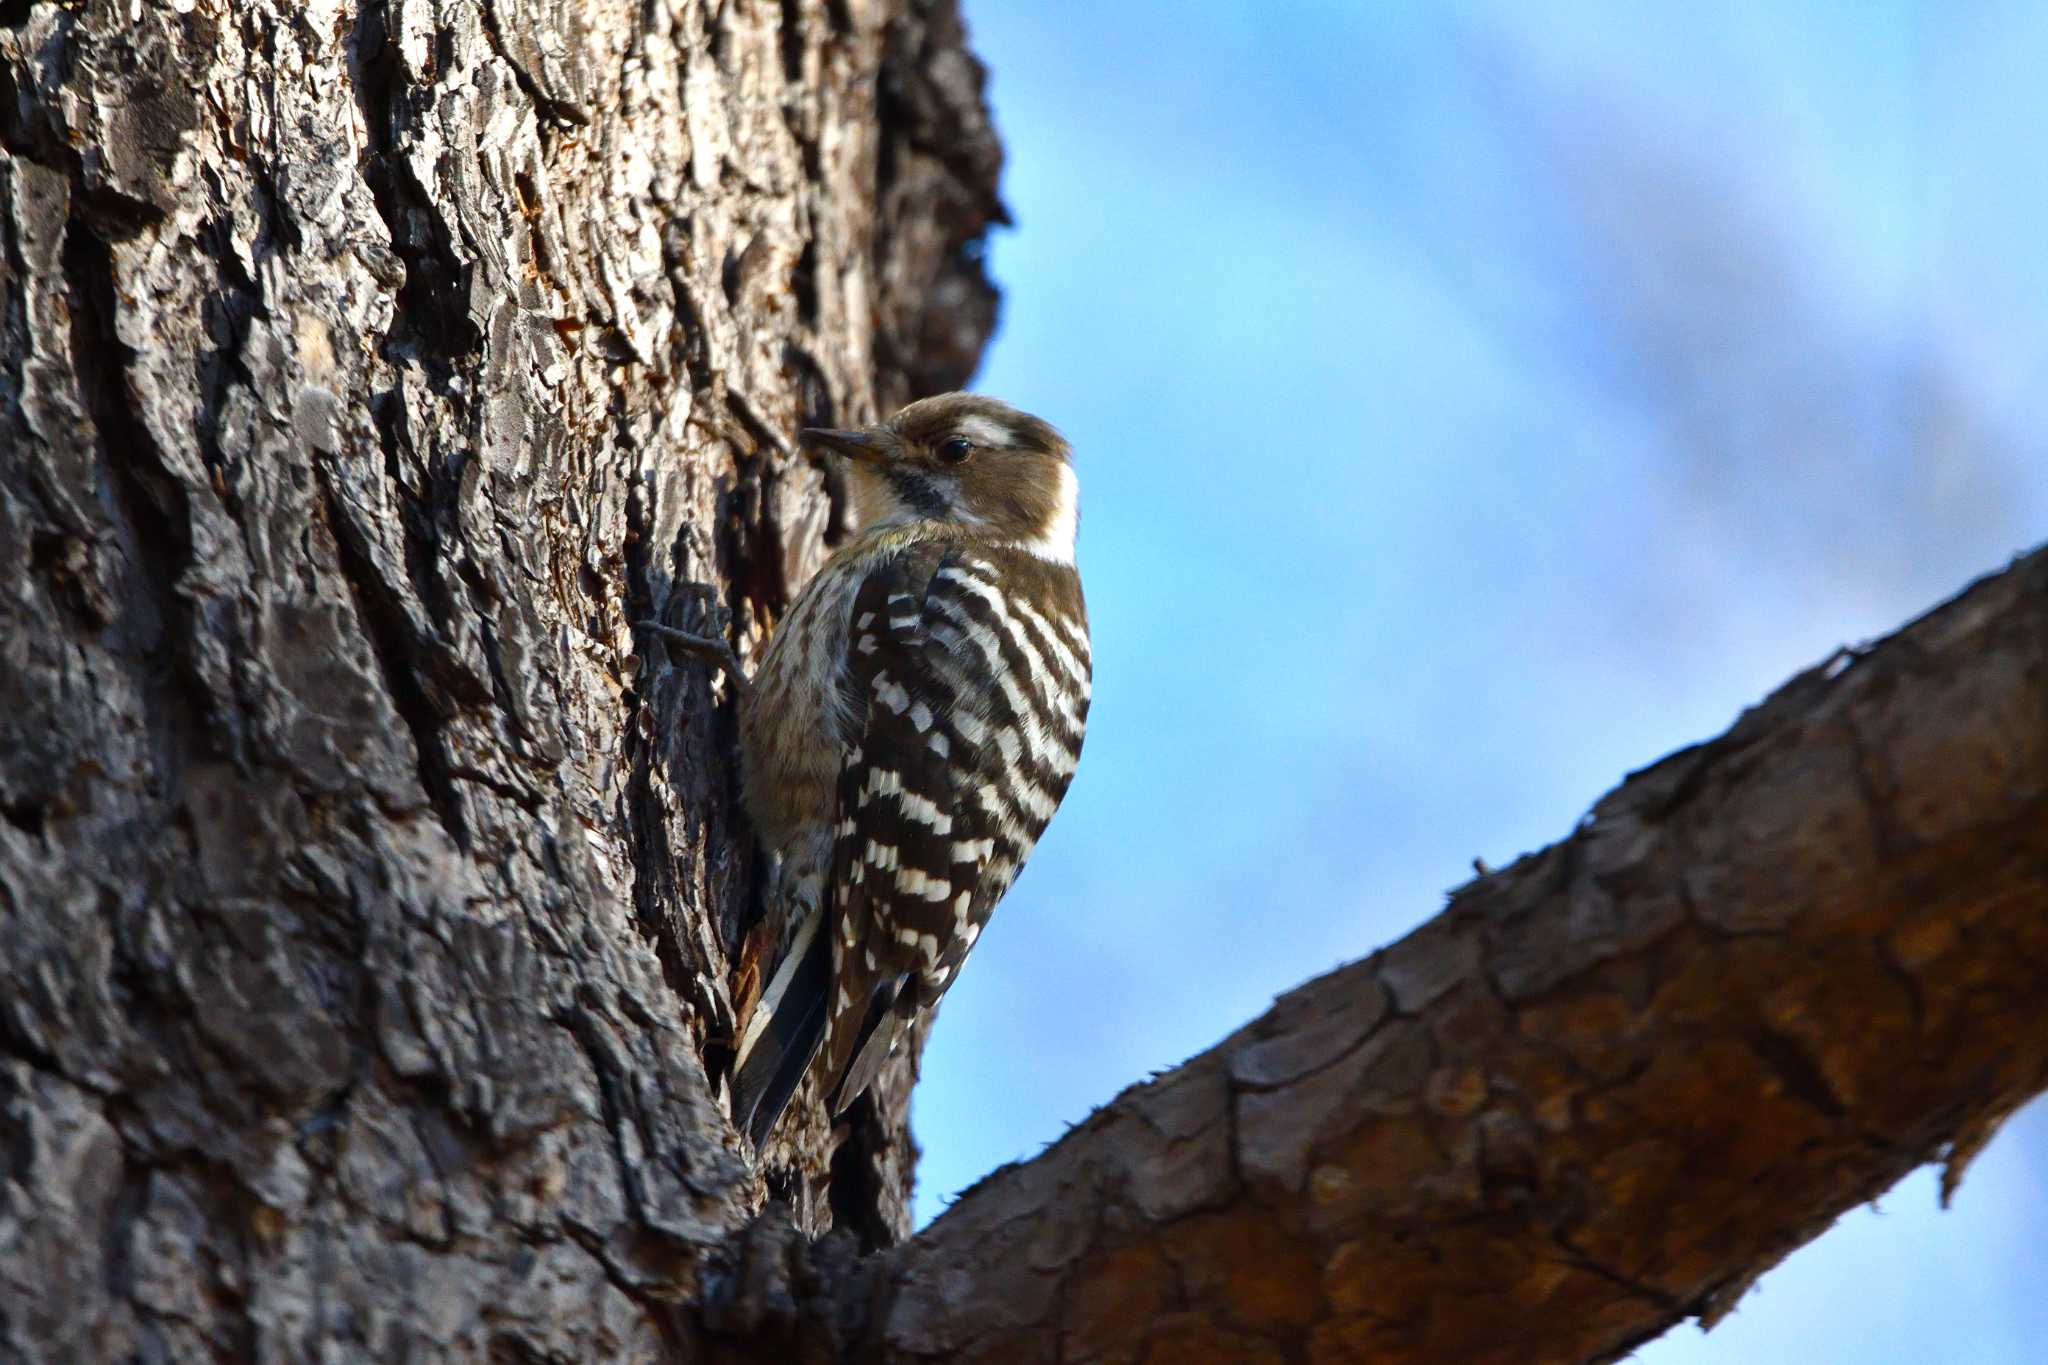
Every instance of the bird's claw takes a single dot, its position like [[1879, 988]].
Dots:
[[710, 649]]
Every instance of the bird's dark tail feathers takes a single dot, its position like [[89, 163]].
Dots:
[[888, 1012], [781, 1041]]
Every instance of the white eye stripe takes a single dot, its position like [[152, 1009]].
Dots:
[[983, 431]]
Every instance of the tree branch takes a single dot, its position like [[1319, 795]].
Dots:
[[1607, 1087]]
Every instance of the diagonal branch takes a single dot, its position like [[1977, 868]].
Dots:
[[1607, 1087]]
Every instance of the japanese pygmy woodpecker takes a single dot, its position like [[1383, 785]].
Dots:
[[911, 727]]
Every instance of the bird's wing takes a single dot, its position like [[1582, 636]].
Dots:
[[963, 752]]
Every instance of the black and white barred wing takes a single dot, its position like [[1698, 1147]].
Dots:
[[974, 697]]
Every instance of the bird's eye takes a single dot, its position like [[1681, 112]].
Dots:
[[956, 450]]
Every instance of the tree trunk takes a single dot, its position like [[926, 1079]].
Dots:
[[374, 916], [370, 913]]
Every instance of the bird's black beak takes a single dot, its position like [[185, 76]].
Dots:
[[870, 446]]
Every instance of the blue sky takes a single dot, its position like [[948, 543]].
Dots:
[[1473, 403]]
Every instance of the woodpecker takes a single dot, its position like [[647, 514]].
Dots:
[[911, 727]]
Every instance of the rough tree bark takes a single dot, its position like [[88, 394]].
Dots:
[[372, 916]]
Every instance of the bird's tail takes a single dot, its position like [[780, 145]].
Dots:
[[874, 1045], [784, 1033]]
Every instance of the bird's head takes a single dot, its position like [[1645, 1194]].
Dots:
[[968, 460]]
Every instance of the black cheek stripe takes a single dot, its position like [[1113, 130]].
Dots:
[[918, 493]]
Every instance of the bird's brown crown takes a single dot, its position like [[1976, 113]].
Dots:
[[967, 460]]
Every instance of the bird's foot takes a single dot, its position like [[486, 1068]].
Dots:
[[711, 649]]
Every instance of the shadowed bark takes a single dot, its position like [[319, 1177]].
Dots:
[[374, 916]]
